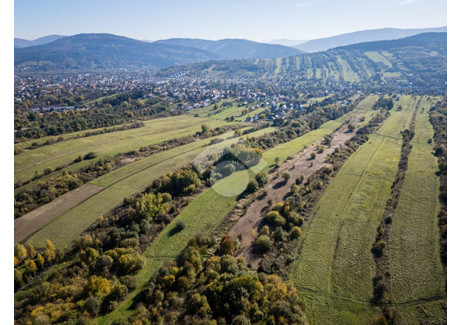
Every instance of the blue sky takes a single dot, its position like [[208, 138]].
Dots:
[[260, 20]]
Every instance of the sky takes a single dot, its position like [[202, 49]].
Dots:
[[258, 20]]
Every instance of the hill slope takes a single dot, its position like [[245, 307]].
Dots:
[[20, 42], [323, 44], [235, 48], [416, 61], [104, 51]]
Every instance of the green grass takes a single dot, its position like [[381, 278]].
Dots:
[[334, 268], [121, 183], [378, 58], [429, 312], [157, 130], [414, 253], [210, 208], [368, 102], [278, 65], [347, 72]]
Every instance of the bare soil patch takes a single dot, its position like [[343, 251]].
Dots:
[[247, 227], [34, 220]]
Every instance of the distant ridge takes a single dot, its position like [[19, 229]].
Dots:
[[235, 48], [288, 42], [323, 44], [21, 43], [104, 51], [411, 62]]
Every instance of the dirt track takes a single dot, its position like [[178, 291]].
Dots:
[[34, 220], [277, 190]]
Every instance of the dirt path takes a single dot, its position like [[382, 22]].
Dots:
[[251, 223], [34, 220]]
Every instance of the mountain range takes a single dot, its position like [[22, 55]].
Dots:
[[323, 44], [235, 48], [106, 51], [21, 43], [415, 61]]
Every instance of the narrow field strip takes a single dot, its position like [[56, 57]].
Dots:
[[334, 256], [414, 252], [157, 130], [34, 220], [210, 208], [122, 183]]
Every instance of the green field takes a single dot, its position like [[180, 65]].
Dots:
[[415, 265], [210, 208], [122, 183], [347, 72], [154, 131], [378, 58], [334, 268]]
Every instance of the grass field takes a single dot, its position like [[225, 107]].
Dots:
[[347, 72], [210, 208], [156, 130], [414, 254], [378, 58], [334, 268], [122, 183]]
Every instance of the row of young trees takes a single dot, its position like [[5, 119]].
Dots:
[[438, 118], [45, 191]]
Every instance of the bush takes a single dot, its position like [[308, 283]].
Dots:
[[313, 155], [92, 306], [275, 218], [252, 186], [180, 225], [286, 176], [261, 179], [263, 243], [227, 246], [90, 155], [241, 320], [48, 170], [129, 281], [279, 234], [296, 232]]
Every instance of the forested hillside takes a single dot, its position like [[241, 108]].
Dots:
[[417, 61]]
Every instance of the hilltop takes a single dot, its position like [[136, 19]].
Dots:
[[235, 48], [323, 44], [416, 61]]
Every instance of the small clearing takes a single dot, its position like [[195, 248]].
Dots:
[[277, 189], [34, 220]]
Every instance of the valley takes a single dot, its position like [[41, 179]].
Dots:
[[190, 181]]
